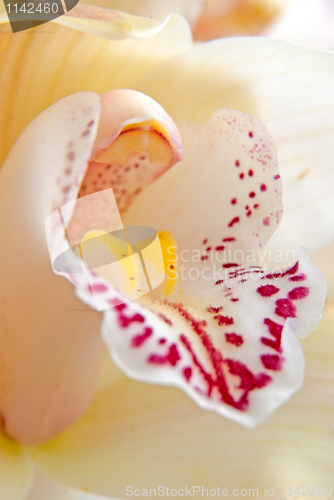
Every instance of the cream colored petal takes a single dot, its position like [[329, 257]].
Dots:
[[45, 488], [310, 22], [290, 90], [16, 471], [324, 260], [40, 66], [145, 436], [190, 9], [50, 346]]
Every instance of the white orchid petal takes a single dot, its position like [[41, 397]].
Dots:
[[49, 361], [77, 61], [290, 90], [16, 470], [141, 435], [235, 354], [190, 9], [119, 25]]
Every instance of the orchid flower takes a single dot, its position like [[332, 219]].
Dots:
[[124, 430]]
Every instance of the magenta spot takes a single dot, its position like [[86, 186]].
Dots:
[[90, 123], [233, 221], [223, 320], [208, 249], [267, 290], [219, 282], [233, 338], [171, 358], [205, 241], [214, 310], [85, 132], [299, 277], [250, 173], [242, 175], [138, 340], [204, 257], [68, 170], [237, 163], [266, 221], [276, 177], [187, 373], [70, 156], [230, 264], [263, 187], [272, 362], [233, 201], [256, 205], [220, 248], [234, 299], [250, 134], [285, 308], [162, 341], [228, 239], [299, 293], [98, 287], [275, 330]]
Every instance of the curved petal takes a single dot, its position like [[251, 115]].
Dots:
[[16, 470], [46, 488], [290, 90], [308, 22], [69, 61], [50, 346], [221, 202], [145, 437], [235, 352], [190, 9], [235, 17]]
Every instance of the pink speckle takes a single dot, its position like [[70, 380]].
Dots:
[[272, 362], [98, 287], [187, 373], [233, 338], [276, 177], [172, 357], [208, 249], [285, 308], [230, 264], [70, 156], [250, 173], [256, 205], [263, 187], [242, 175], [267, 290], [299, 277], [237, 163], [205, 241], [266, 221], [275, 329], [299, 293], [162, 341], [251, 194], [220, 248], [233, 221], [219, 282], [233, 201], [223, 320], [204, 257], [139, 340], [214, 310], [250, 134], [229, 239]]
